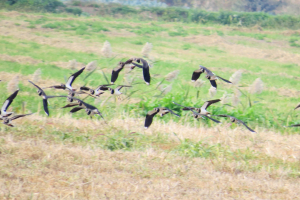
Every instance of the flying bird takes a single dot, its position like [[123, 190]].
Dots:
[[117, 91], [70, 81], [145, 66], [42, 94], [203, 108], [7, 121], [7, 103], [235, 120], [209, 75], [198, 115], [90, 110], [98, 91], [152, 113]]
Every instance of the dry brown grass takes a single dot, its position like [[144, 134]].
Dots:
[[36, 167]]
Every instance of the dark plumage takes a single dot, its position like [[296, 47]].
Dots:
[[7, 103], [152, 113], [209, 75], [196, 114]]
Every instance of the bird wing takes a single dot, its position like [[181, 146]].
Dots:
[[208, 103], [71, 105], [297, 106], [85, 88], [146, 74], [115, 72], [223, 79], [171, 111], [121, 86], [213, 83], [72, 78], [196, 74], [8, 101], [211, 119], [18, 116], [40, 89], [45, 104], [294, 125], [58, 87], [76, 109], [246, 126], [149, 118]]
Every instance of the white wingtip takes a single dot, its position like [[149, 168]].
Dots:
[[193, 80], [147, 83], [146, 127]]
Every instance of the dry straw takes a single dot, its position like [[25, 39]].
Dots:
[[165, 89], [106, 50], [13, 84], [147, 49], [91, 66], [172, 75], [212, 91], [257, 86], [236, 97], [225, 99], [199, 83], [37, 75], [72, 64], [236, 77]]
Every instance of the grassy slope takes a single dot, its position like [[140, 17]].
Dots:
[[26, 44]]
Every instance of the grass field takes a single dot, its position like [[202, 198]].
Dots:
[[74, 157]]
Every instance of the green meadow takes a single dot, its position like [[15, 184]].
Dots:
[[32, 41]]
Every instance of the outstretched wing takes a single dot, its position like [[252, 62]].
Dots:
[[45, 104], [115, 72], [72, 78], [40, 89], [246, 126], [18, 116], [223, 79], [212, 119], [196, 75], [76, 109], [213, 83], [208, 103], [8, 101]]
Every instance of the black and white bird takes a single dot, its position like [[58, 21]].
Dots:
[[209, 75], [96, 92], [42, 94], [89, 109], [235, 120], [145, 66], [117, 91], [161, 110], [7, 103], [7, 121], [198, 115], [70, 81], [203, 108]]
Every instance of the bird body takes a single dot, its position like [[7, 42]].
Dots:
[[152, 113], [117, 91], [145, 66], [197, 114], [203, 108], [209, 75], [7, 121], [235, 120]]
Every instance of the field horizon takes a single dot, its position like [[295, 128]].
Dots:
[[66, 156]]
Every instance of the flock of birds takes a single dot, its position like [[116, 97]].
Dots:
[[91, 110]]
